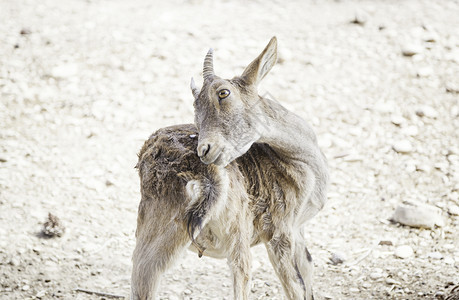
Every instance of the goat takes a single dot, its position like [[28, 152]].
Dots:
[[247, 172]]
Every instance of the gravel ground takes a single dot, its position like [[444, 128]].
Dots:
[[84, 83]]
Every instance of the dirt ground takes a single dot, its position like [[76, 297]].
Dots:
[[84, 83]]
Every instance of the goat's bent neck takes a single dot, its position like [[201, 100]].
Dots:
[[288, 134]]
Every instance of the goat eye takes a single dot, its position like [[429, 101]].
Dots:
[[223, 94]]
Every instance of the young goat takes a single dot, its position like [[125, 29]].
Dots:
[[248, 172]]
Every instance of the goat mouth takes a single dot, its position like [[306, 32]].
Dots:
[[216, 158]]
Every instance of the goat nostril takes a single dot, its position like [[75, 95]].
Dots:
[[203, 150], [206, 150]]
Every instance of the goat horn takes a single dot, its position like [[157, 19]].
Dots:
[[208, 70], [194, 89]]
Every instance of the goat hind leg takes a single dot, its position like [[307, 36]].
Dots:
[[289, 258], [152, 257]]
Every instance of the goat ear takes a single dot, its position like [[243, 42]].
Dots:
[[194, 89], [258, 68]]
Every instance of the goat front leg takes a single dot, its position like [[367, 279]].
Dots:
[[292, 263], [240, 262]]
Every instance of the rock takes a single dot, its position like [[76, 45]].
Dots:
[[15, 262], [25, 31], [452, 87], [426, 111], [337, 258], [354, 290], [285, 55], [404, 251], [397, 120], [403, 146], [187, 292], [435, 255], [411, 130], [385, 242], [53, 227], [453, 210], [391, 281], [376, 275], [366, 285], [425, 72], [411, 49], [25, 287], [41, 294], [360, 17], [64, 71], [449, 260], [418, 215]]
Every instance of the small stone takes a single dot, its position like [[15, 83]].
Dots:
[[25, 287], [285, 55], [453, 210], [366, 285], [354, 290], [427, 111], [424, 72], [410, 130], [385, 242], [411, 49], [449, 260], [392, 281], [53, 227], [435, 255], [376, 275], [404, 251], [397, 120], [418, 215], [25, 31], [360, 17], [64, 71], [403, 146], [337, 258], [15, 262], [40, 294], [452, 87], [187, 292]]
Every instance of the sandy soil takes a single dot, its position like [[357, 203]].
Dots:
[[84, 83]]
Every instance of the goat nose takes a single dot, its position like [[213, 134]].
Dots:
[[203, 149]]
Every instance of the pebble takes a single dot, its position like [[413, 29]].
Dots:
[[418, 215], [404, 251], [425, 72], [25, 287], [354, 290], [449, 260], [366, 285], [435, 255], [397, 119], [411, 49], [427, 111], [403, 146], [40, 294], [376, 275], [337, 258], [411, 130], [392, 281], [360, 17], [453, 210], [64, 71], [187, 292]]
